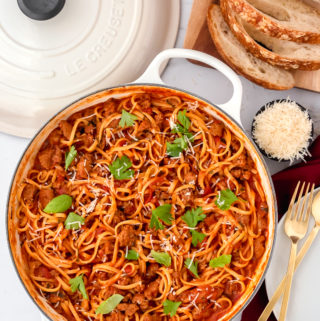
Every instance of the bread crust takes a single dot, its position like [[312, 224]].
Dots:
[[238, 68], [269, 26], [257, 50]]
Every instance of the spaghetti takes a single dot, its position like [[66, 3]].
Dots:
[[167, 216]]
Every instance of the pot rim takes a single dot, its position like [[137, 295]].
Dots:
[[163, 86]]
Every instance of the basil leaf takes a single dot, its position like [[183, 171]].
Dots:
[[164, 213], [70, 156], [220, 261], [197, 237], [78, 284], [59, 204], [193, 216], [132, 255], [127, 119], [225, 199], [73, 221], [120, 168], [170, 307], [110, 304], [192, 266], [161, 257]]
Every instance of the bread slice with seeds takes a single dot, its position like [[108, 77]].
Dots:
[[242, 61], [286, 54]]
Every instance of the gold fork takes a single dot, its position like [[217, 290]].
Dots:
[[295, 226], [311, 237]]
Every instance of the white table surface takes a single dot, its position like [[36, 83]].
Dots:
[[15, 304]]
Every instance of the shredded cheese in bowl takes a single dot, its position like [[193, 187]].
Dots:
[[283, 130]]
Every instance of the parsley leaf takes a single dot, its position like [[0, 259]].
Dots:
[[192, 266], [173, 150], [154, 222], [225, 199], [161, 212], [197, 237], [73, 221], [132, 255], [182, 142], [120, 168], [178, 129], [193, 216], [58, 204], [161, 257], [110, 304], [78, 284], [170, 307], [70, 156], [183, 119], [127, 119], [220, 261]]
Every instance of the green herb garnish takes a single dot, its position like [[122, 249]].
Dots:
[[120, 168], [220, 261], [59, 204], [162, 212], [70, 156], [170, 307], [161, 257], [127, 119], [193, 216], [78, 284], [225, 199], [180, 144], [73, 221], [197, 237], [132, 255], [173, 150], [192, 266], [110, 304]]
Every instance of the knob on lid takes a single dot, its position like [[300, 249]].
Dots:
[[41, 9]]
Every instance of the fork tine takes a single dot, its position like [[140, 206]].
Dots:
[[301, 213], [298, 202], [309, 204], [293, 198]]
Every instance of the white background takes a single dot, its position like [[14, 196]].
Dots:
[[15, 304]]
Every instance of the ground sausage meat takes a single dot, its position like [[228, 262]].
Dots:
[[29, 192], [45, 196], [141, 301], [127, 236], [129, 309], [152, 290]]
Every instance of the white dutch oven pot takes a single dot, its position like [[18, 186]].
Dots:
[[228, 113]]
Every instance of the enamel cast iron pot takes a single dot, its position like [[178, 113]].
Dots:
[[228, 113]]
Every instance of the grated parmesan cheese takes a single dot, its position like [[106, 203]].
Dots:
[[283, 131]]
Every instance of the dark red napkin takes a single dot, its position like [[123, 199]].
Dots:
[[284, 184]]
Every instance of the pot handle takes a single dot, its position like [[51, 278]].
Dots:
[[152, 75]]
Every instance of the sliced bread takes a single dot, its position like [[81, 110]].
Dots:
[[287, 54], [288, 20], [313, 3], [242, 61]]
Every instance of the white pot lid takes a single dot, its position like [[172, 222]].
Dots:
[[87, 46]]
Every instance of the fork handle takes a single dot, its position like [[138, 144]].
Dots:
[[287, 288], [276, 295]]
